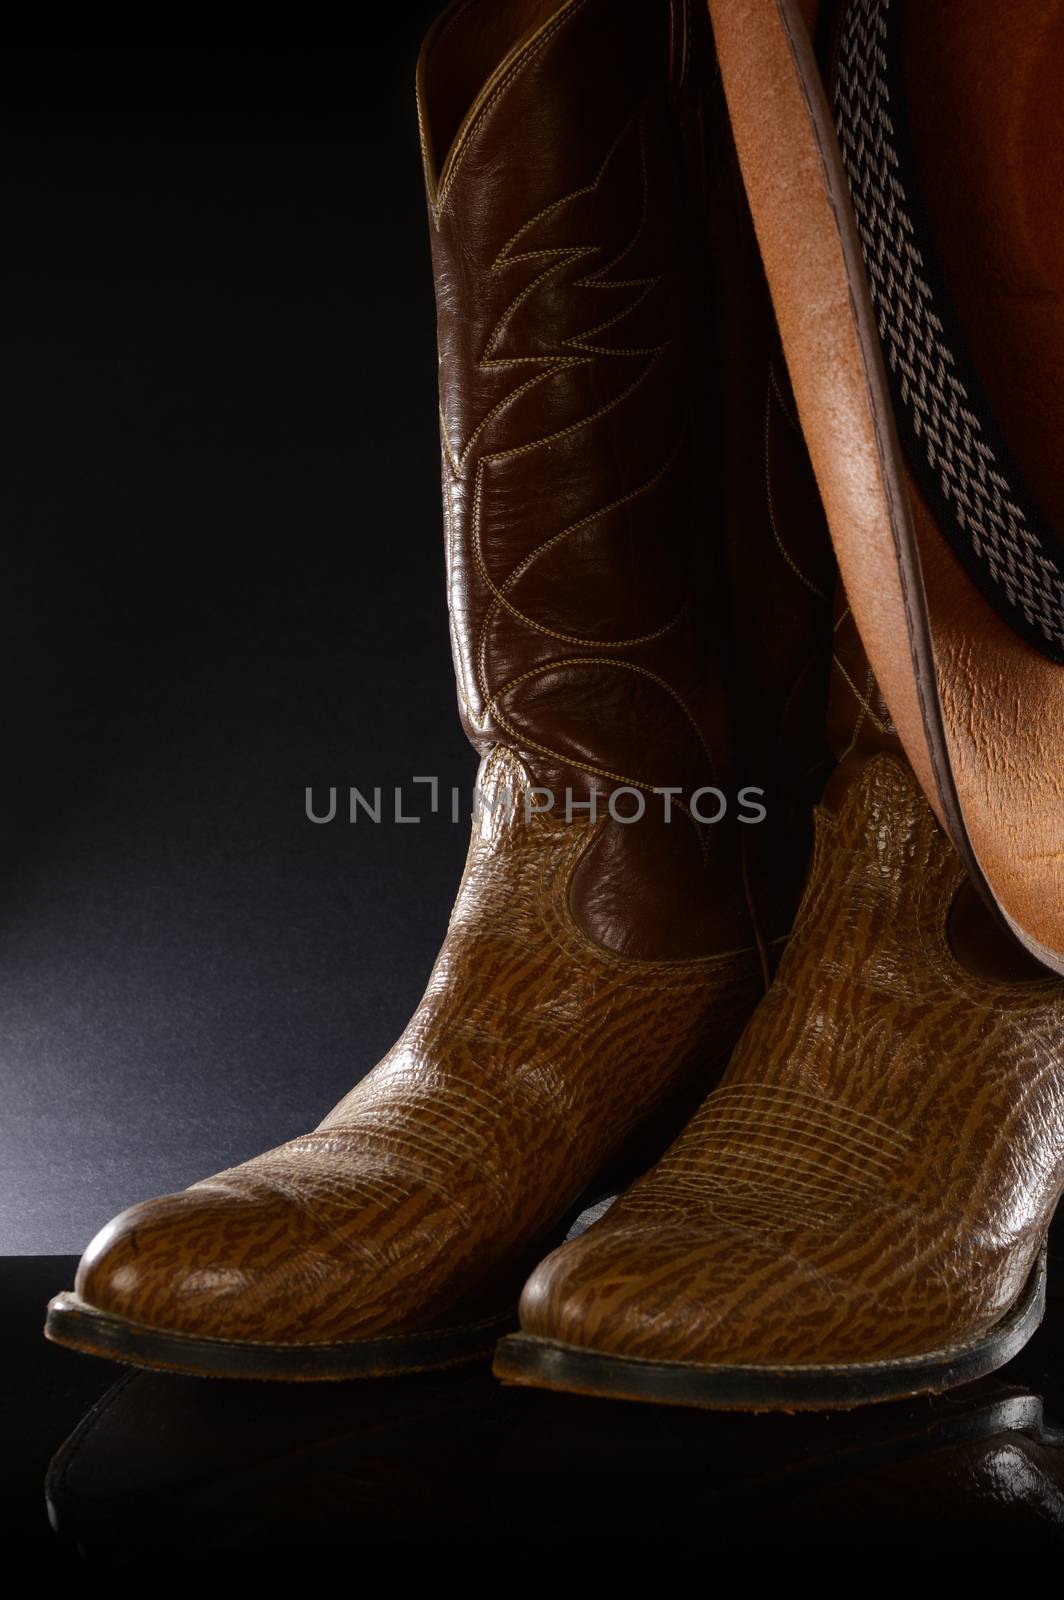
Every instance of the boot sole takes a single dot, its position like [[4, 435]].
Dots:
[[74, 1323], [524, 1359], [78, 1325]]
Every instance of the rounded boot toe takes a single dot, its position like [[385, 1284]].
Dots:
[[701, 1296], [210, 1262], [259, 1259]]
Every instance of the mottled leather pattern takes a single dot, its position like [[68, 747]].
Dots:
[[531, 1058], [592, 972], [874, 1175]]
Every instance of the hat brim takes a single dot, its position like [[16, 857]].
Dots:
[[979, 711]]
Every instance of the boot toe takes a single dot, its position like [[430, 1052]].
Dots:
[[703, 1296], [212, 1262], [255, 1257]]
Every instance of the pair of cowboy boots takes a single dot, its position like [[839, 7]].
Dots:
[[849, 1095]]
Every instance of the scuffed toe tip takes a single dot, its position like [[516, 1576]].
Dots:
[[154, 1265], [251, 1257]]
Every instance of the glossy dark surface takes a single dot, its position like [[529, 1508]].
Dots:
[[178, 1470]]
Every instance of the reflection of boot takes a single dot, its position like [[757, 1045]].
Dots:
[[165, 1464], [859, 1210], [594, 972]]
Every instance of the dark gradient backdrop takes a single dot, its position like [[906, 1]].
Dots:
[[222, 581]]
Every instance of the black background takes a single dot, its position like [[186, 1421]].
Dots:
[[223, 581]]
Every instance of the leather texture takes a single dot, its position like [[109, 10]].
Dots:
[[586, 599], [532, 1057], [874, 1175], [594, 974], [978, 711]]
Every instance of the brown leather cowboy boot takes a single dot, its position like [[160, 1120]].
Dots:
[[858, 1212], [596, 972]]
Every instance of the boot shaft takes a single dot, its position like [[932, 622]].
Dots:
[[568, 242]]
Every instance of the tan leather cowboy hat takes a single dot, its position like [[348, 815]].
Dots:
[[902, 190]]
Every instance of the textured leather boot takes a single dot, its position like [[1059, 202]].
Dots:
[[596, 973], [859, 1211]]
